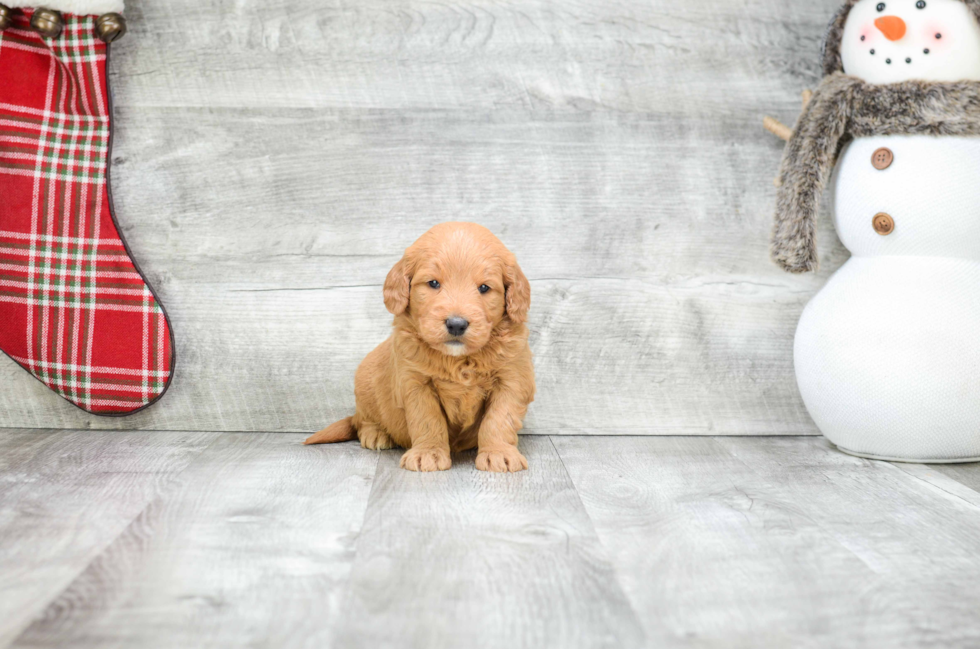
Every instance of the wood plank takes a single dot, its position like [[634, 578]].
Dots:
[[966, 474], [273, 159], [64, 497], [703, 340], [252, 550], [702, 56], [20, 446], [729, 542], [933, 476], [465, 559]]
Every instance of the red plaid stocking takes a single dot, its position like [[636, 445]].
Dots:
[[75, 311]]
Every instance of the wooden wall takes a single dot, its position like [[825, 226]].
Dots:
[[274, 158]]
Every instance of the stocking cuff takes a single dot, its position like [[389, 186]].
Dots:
[[77, 7]]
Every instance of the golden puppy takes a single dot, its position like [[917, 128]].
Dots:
[[456, 371]]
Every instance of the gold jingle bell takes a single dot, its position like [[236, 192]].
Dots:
[[6, 19], [110, 27], [47, 22]]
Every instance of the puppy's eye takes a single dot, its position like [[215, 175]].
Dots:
[[434, 283], [921, 4], [484, 288], [881, 6]]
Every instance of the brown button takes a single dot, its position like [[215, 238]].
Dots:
[[882, 158], [883, 224]]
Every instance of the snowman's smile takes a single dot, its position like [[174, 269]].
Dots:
[[908, 59]]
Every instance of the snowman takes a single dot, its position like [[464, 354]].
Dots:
[[887, 354]]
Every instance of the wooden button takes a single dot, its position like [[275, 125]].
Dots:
[[882, 158], [883, 224]]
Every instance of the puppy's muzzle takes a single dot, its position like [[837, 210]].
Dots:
[[456, 326]]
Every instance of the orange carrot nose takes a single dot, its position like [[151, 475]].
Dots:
[[892, 27]]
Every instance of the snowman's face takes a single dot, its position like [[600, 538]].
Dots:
[[887, 41]]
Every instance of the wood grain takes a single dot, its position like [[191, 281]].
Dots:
[[274, 158], [64, 497], [470, 559], [152, 539], [967, 474], [253, 549], [624, 56], [728, 542]]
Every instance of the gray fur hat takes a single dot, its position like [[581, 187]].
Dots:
[[835, 32]]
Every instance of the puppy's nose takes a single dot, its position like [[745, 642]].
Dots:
[[892, 27], [456, 326]]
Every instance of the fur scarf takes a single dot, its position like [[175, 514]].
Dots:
[[844, 108]]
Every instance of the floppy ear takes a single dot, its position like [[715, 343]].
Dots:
[[518, 294], [398, 286]]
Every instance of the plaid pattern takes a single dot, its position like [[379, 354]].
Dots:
[[74, 310]]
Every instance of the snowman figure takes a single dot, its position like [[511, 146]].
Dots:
[[887, 354]]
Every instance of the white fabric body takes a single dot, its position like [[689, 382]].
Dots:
[[888, 353], [953, 57], [931, 189], [77, 7]]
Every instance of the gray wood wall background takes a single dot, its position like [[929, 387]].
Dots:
[[273, 158]]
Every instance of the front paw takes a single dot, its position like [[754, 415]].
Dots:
[[501, 460], [426, 459]]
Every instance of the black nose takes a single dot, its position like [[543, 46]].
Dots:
[[456, 326]]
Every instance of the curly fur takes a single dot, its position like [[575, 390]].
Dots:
[[844, 108], [415, 392]]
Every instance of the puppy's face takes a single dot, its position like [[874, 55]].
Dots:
[[457, 284]]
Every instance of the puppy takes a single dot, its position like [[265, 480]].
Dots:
[[456, 372]]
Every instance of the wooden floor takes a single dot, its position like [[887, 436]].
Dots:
[[182, 539]]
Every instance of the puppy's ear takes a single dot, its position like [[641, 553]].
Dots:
[[398, 286], [518, 294]]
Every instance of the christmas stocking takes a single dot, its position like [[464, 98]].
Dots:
[[75, 311]]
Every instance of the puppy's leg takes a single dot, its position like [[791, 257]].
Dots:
[[427, 429], [374, 438], [504, 417]]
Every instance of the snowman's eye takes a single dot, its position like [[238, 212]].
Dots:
[[921, 4], [881, 6]]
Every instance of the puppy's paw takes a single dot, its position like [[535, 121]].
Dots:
[[501, 460], [426, 459], [375, 439]]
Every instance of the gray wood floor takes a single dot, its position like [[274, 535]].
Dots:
[[184, 539], [274, 157]]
